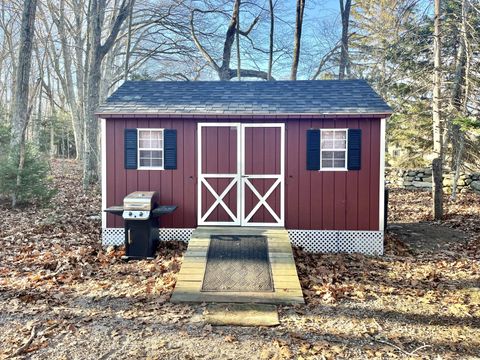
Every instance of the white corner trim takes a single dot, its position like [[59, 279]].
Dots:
[[103, 130], [381, 213]]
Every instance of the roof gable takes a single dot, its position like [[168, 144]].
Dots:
[[320, 97]]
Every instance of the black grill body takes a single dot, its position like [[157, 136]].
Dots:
[[141, 233], [141, 238]]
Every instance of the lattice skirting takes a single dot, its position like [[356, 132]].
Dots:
[[315, 241], [333, 241], [116, 236]]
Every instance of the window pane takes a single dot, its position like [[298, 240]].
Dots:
[[144, 143], [156, 154], [145, 162], [156, 135], [155, 144], [339, 154], [144, 135], [327, 154], [340, 144], [340, 135], [327, 134], [327, 144], [326, 163], [145, 154], [156, 162], [339, 163]]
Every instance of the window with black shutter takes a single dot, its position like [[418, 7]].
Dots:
[[150, 149], [334, 149]]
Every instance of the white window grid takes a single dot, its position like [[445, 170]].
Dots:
[[345, 150], [160, 148]]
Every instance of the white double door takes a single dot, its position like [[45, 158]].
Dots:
[[241, 172]]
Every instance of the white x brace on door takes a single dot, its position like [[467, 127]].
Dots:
[[227, 194]]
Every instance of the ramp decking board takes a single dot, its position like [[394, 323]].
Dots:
[[287, 289]]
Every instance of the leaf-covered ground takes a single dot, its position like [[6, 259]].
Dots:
[[70, 299]]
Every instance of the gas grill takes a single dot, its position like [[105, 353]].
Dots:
[[141, 212]]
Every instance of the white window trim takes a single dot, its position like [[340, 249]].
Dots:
[[138, 150], [346, 151]]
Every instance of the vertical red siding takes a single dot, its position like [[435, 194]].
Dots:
[[303, 191], [292, 172], [189, 151], [313, 199]]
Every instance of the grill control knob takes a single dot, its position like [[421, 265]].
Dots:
[[141, 213], [130, 213]]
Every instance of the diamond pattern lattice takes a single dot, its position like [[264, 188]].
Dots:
[[330, 241], [116, 236], [113, 236]]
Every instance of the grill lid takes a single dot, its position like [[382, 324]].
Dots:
[[141, 200]]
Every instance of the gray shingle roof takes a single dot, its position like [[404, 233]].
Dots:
[[245, 98]]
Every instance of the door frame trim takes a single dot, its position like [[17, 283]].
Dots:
[[202, 178], [240, 182], [277, 177]]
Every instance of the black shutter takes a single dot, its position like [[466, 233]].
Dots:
[[130, 148], [170, 149], [313, 149], [354, 149]]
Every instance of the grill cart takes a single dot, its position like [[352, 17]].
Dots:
[[141, 213]]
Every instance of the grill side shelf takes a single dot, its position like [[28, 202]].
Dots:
[[115, 210], [163, 210]]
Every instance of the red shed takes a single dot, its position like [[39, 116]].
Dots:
[[304, 155]]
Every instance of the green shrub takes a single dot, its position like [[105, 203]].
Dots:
[[4, 138], [36, 185]]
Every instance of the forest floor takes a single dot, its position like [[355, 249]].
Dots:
[[65, 297]]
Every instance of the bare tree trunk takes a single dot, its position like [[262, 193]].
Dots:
[[457, 164], [129, 40], [97, 54], [53, 113], [67, 81], [270, 46], [344, 55], [227, 46], [297, 38], [107, 70], [62, 143], [437, 165], [20, 99], [79, 39], [224, 71], [38, 122], [237, 40], [52, 138], [457, 135], [68, 145]]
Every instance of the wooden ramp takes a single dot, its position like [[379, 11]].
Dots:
[[287, 289]]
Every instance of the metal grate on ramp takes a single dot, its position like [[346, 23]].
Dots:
[[238, 263]]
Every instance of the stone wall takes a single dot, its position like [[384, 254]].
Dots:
[[422, 179]]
